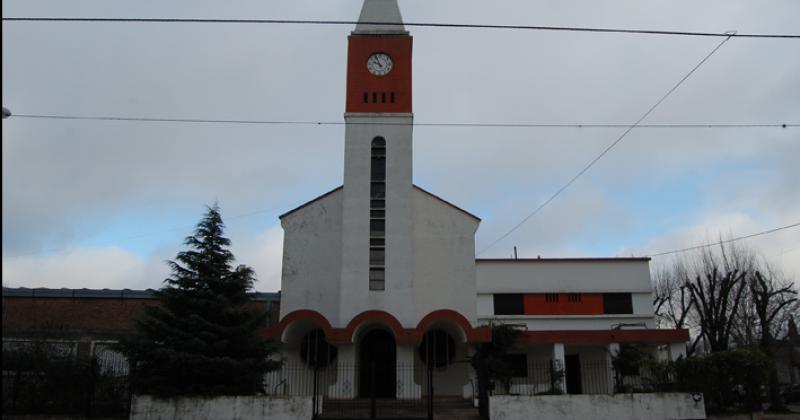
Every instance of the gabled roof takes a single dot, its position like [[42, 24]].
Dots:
[[574, 259], [43, 292], [308, 203], [447, 202], [377, 12]]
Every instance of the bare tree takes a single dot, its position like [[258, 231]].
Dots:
[[672, 300], [716, 300], [774, 303]]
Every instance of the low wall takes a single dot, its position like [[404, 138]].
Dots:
[[145, 407], [598, 407]]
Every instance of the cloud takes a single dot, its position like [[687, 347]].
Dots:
[[116, 268], [263, 253], [98, 268], [68, 183]]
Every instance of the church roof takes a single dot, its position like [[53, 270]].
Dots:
[[380, 17], [563, 259], [415, 186], [43, 292]]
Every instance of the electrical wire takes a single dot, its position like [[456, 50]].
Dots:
[[606, 150], [416, 124], [410, 24], [691, 248]]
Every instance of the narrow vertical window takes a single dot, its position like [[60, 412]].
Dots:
[[377, 215], [366, 97]]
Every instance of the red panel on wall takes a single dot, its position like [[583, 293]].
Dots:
[[564, 304], [392, 91]]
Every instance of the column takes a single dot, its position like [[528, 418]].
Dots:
[[407, 388], [345, 385], [676, 350], [611, 350], [470, 389], [558, 359]]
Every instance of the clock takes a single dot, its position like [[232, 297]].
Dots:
[[379, 64]]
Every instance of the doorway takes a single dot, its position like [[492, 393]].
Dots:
[[572, 365], [377, 365]]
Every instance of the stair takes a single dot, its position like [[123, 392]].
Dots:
[[444, 408], [454, 408]]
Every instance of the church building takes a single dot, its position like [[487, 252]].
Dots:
[[380, 275], [382, 296]]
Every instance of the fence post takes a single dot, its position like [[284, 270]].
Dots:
[[314, 412], [430, 389], [91, 385]]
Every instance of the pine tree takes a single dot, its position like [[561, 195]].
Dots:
[[201, 339]]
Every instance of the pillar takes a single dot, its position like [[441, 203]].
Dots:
[[470, 389], [558, 359], [345, 385], [676, 350], [407, 388], [611, 350]]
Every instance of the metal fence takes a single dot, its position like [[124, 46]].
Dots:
[[588, 377], [356, 391], [41, 378]]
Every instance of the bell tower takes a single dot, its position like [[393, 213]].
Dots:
[[377, 209], [379, 61]]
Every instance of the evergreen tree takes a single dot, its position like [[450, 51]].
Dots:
[[201, 339]]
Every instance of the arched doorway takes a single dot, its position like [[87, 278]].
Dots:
[[377, 365]]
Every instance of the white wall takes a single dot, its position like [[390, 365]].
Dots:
[[354, 294], [145, 407], [566, 276], [597, 407], [563, 276], [444, 258], [312, 257]]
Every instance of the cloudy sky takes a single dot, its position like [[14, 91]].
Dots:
[[104, 204]]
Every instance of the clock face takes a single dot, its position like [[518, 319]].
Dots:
[[379, 64]]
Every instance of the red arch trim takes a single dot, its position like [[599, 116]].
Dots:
[[302, 314], [402, 335], [383, 317]]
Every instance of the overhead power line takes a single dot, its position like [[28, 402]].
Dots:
[[416, 124], [146, 234], [691, 248], [606, 150], [411, 24]]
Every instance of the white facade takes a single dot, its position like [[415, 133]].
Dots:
[[567, 275], [432, 284]]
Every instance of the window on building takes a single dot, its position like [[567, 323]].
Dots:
[[509, 304], [438, 347], [377, 279], [377, 227], [315, 349], [378, 190], [377, 215], [551, 297], [518, 365], [377, 256], [574, 297], [617, 303]]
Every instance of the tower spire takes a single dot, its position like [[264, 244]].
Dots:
[[380, 17]]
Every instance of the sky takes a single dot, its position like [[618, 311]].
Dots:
[[103, 204]]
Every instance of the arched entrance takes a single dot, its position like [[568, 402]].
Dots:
[[377, 365]]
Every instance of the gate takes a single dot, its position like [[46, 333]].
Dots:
[[336, 393]]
